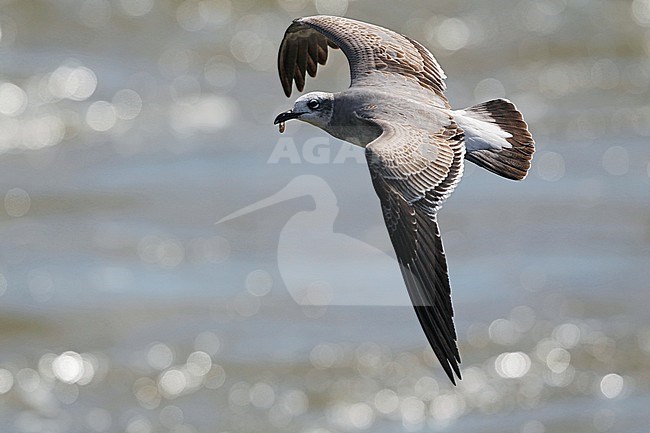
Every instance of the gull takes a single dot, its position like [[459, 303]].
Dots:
[[415, 145]]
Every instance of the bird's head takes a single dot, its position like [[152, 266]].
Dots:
[[315, 108]]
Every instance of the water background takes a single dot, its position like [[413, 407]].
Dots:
[[128, 128]]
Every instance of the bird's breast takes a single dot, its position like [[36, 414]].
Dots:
[[359, 135]]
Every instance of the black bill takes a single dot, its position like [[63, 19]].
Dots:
[[287, 115]]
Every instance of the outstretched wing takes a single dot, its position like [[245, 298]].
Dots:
[[375, 54], [413, 171]]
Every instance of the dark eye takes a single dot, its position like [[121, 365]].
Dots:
[[313, 104]]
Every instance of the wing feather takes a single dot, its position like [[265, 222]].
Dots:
[[301, 63], [373, 52], [413, 171]]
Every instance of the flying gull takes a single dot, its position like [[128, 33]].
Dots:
[[415, 145]]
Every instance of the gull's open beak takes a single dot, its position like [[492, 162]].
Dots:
[[287, 115]]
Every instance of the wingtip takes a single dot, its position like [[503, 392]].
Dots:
[[458, 375], [453, 373]]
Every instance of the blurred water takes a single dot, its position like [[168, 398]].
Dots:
[[128, 128]]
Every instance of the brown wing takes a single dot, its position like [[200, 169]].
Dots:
[[413, 171], [375, 54]]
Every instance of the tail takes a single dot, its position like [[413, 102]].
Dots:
[[497, 138]]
